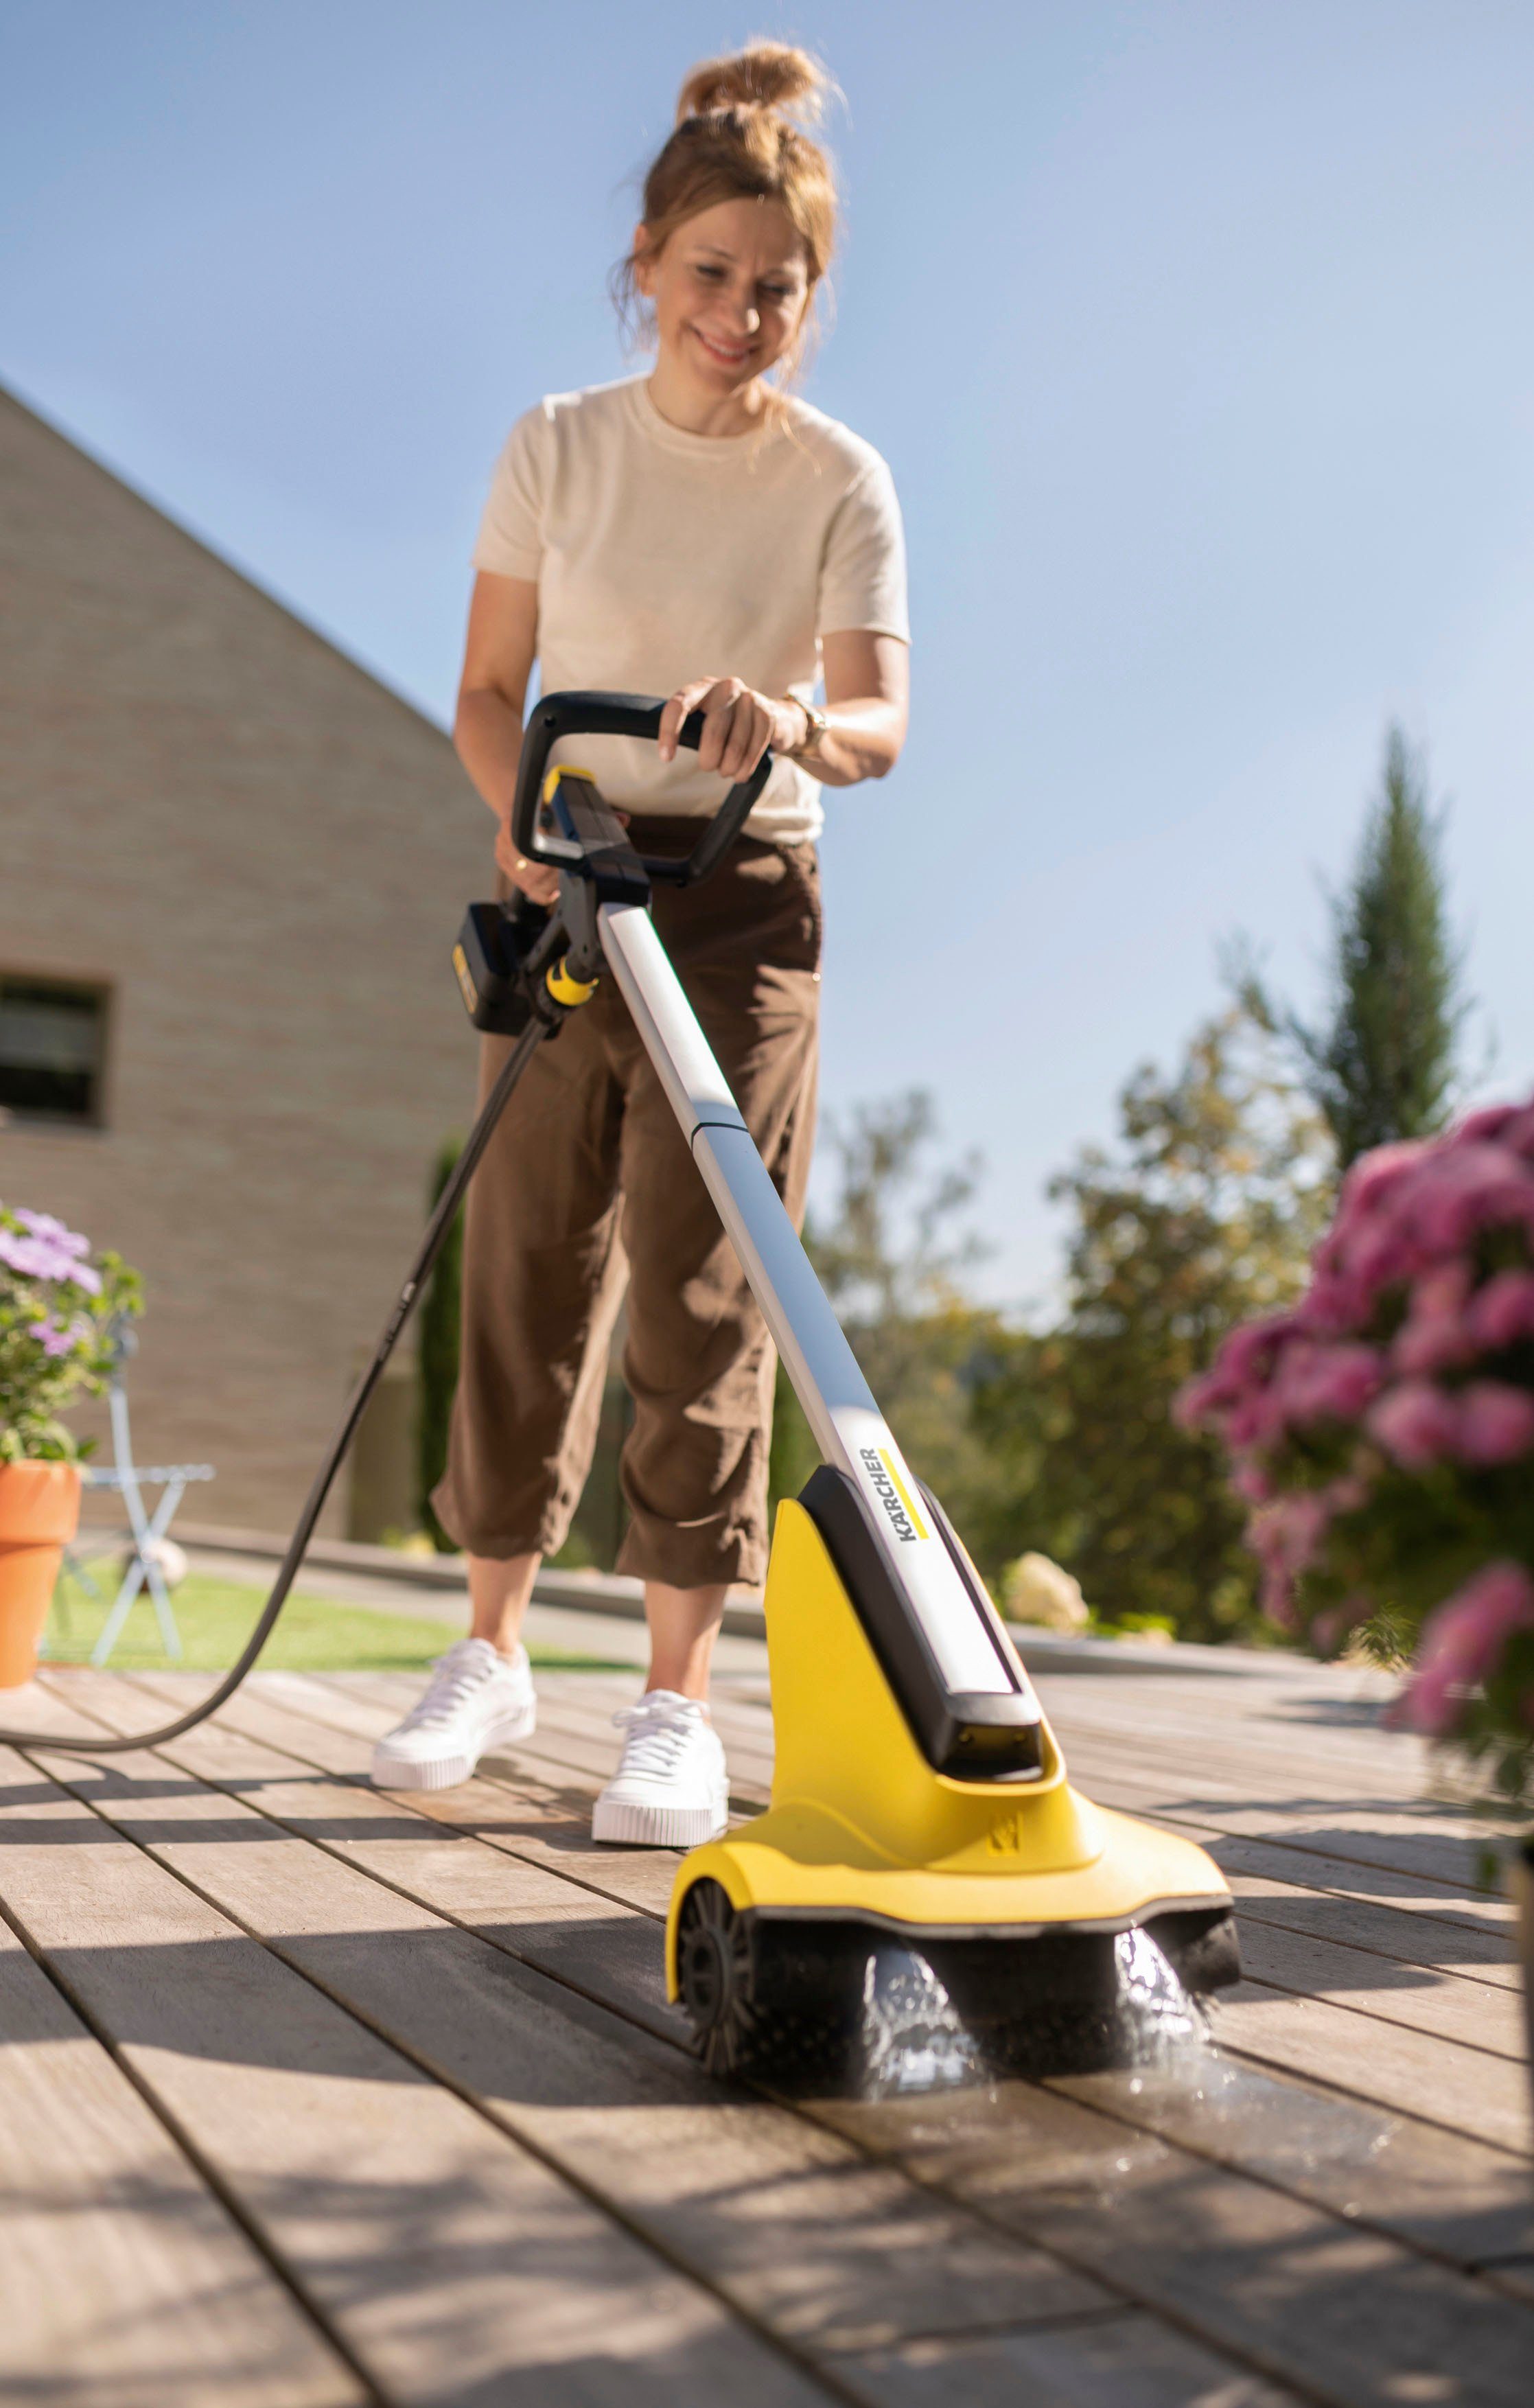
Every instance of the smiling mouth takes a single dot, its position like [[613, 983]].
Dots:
[[728, 356]]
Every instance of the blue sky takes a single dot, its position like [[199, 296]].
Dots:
[[1199, 339]]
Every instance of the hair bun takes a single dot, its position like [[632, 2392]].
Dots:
[[768, 75]]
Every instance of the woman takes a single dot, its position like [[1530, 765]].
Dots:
[[697, 534]]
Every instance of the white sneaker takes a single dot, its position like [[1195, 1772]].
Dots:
[[670, 1789], [477, 1700]]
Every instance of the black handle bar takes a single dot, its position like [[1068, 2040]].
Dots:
[[622, 714]]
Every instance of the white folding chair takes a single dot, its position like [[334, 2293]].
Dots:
[[128, 1480]]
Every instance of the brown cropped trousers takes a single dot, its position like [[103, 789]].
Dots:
[[588, 1185]]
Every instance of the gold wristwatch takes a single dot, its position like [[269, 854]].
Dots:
[[815, 724]]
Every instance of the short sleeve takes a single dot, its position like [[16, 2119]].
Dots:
[[862, 574], [511, 538]]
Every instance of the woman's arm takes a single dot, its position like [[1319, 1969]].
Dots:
[[498, 657], [866, 704]]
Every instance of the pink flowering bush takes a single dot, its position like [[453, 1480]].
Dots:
[[59, 1309], [1382, 1433]]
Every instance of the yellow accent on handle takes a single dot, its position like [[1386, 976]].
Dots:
[[564, 770], [567, 990], [916, 1522]]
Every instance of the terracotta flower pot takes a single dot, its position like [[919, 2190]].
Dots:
[[40, 1507]]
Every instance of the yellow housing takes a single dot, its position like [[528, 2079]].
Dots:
[[860, 1826]]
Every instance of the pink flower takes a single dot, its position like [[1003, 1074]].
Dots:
[[1285, 1534], [1435, 1337], [1462, 1646], [1325, 1382], [55, 1233], [1504, 1311], [1382, 1257], [1491, 1123], [1466, 1189], [1495, 1422], [1237, 1376], [1415, 1422], [1338, 1302], [44, 1258], [1375, 1175]]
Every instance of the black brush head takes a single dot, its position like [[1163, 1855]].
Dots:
[[788, 1999]]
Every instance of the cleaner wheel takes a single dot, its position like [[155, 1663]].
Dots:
[[784, 1999], [715, 1971]]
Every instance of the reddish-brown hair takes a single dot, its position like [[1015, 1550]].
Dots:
[[735, 140]]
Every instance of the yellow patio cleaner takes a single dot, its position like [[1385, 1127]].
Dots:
[[919, 1794]]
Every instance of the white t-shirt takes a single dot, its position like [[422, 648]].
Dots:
[[660, 556]]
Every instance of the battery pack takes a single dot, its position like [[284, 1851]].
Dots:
[[487, 963]]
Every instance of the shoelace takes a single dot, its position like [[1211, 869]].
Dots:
[[657, 1739], [456, 1676]]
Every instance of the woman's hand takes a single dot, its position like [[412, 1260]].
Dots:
[[738, 724], [538, 879]]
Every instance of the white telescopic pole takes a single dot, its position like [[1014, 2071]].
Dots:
[[970, 1646]]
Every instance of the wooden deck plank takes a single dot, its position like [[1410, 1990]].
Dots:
[[124, 2283], [1394, 2075], [1131, 2362], [1485, 2222], [925, 2283], [1397, 2070], [1320, 2303], [1395, 1916], [787, 2219], [1472, 2014], [456, 2265], [1406, 2072], [1454, 2197]]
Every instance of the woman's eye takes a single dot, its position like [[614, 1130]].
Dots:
[[710, 275]]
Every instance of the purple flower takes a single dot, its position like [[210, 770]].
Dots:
[[43, 1225], [1488, 1123], [57, 1341], [1462, 1646], [1495, 1422], [1237, 1377], [1376, 1175], [1416, 1422], [1325, 1382], [1437, 1338], [43, 1258], [1467, 1188], [1285, 1534], [1503, 1311]]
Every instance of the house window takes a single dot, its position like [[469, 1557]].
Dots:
[[52, 1049]]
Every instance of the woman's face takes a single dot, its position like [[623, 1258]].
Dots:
[[729, 291]]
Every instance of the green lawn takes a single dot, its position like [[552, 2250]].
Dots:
[[215, 1618]]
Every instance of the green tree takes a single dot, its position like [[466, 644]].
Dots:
[[1204, 1218], [1381, 1063], [440, 1310]]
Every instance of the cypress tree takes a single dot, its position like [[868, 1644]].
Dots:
[[1382, 1064], [440, 1308]]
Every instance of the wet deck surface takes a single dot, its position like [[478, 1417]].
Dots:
[[310, 2094]]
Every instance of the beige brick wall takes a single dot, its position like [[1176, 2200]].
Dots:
[[267, 855]]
